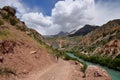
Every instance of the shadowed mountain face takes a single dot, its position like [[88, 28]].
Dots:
[[83, 31], [62, 33]]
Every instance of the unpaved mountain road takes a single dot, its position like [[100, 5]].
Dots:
[[62, 70], [66, 70]]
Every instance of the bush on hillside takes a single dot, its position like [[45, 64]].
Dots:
[[1, 22], [7, 71], [84, 67], [6, 16], [22, 28], [105, 61], [12, 21]]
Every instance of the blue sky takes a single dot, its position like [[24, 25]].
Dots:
[[49, 17], [44, 5]]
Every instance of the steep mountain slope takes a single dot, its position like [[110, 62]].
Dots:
[[21, 49], [101, 45], [104, 40], [83, 31], [62, 33]]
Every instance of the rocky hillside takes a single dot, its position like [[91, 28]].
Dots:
[[22, 50], [101, 45], [104, 40], [83, 31]]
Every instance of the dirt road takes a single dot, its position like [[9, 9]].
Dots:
[[62, 70]]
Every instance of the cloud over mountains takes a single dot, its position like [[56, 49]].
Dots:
[[66, 15]]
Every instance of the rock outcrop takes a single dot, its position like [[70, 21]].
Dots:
[[10, 10], [96, 73]]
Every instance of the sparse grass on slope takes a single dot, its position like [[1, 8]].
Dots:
[[5, 34], [7, 71], [1, 22]]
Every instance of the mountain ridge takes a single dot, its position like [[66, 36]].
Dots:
[[84, 30]]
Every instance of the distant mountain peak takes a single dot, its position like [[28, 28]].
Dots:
[[62, 33], [84, 30]]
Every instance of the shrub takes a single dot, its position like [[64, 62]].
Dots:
[[7, 71], [6, 16], [66, 57], [114, 64], [12, 21], [22, 28], [5, 33], [91, 48], [118, 34], [84, 67], [1, 22]]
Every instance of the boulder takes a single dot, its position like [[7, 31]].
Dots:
[[10, 10], [1, 59], [96, 73]]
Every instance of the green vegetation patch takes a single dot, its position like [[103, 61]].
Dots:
[[22, 28], [6, 16], [1, 22], [5, 33], [12, 21], [7, 71], [105, 61]]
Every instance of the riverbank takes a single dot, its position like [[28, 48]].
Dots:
[[115, 75], [104, 61]]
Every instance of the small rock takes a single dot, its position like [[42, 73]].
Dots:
[[76, 63], [24, 72], [1, 59], [97, 74], [33, 52]]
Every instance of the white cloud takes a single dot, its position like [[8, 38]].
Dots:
[[106, 11], [37, 18], [70, 14], [41, 23], [66, 15]]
